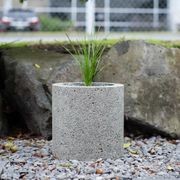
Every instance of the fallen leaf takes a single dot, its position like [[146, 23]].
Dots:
[[169, 168], [68, 165], [10, 147], [10, 138], [13, 149], [133, 151], [126, 145], [37, 66], [99, 171]]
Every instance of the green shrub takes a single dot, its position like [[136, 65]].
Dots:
[[49, 23]]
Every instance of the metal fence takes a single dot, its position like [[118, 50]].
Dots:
[[113, 15], [107, 15]]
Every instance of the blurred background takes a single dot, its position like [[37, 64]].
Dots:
[[95, 15]]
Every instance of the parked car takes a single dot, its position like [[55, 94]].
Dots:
[[20, 19]]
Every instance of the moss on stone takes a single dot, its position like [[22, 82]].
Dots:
[[108, 42]]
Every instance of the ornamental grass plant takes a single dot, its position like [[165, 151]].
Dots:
[[88, 54]]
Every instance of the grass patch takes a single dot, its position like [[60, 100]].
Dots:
[[16, 44], [58, 44], [167, 44], [49, 23]]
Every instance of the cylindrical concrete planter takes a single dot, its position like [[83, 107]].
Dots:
[[88, 121]]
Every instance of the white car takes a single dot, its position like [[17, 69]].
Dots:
[[20, 19]]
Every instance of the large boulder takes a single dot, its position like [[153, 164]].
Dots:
[[3, 121], [151, 75], [29, 75], [28, 96], [67, 72]]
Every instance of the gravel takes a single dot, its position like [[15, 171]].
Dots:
[[144, 158]]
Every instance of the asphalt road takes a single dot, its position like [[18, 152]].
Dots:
[[50, 37]]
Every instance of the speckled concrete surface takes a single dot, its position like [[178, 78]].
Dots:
[[88, 121]]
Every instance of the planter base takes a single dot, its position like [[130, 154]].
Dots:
[[88, 121]]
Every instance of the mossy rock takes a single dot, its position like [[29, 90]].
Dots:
[[151, 74]]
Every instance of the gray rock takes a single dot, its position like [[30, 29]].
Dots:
[[66, 72], [90, 170], [151, 75], [33, 102], [29, 97], [116, 169], [4, 177], [17, 164], [62, 176], [2, 164], [26, 71], [99, 178], [178, 148], [155, 178], [144, 150], [178, 152]]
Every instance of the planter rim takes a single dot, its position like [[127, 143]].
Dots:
[[81, 85]]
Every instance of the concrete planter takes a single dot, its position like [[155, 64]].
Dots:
[[88, 121]]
